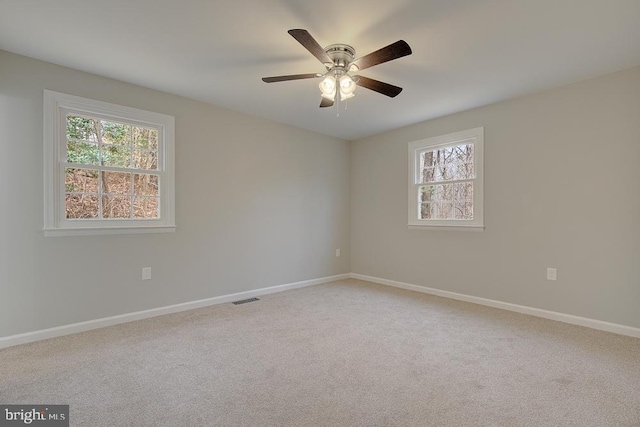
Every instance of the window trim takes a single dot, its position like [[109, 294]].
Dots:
[[442, 141], [55, 106]]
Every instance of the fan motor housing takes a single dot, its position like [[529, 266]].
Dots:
[[341, 54]]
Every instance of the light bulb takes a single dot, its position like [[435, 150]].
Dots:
[[329, 83], [328, 87], [346, 82], [347, 86]]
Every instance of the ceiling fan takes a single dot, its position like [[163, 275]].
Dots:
[[339, 60]]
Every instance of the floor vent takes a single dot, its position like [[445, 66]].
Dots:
[[244, 301]]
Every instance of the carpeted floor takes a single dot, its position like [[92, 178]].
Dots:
[[346, 353]]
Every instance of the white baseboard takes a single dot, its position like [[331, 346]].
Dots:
[[139, 315], [561, 317]]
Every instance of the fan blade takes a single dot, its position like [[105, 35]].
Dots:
[[388, 53], [291, 77], [305, 39], [378, 86], [324, 102]]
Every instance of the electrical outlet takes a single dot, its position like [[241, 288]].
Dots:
[[146, 273], [337, 252], [552, 274]]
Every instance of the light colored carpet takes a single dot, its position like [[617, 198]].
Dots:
[[347, 353]]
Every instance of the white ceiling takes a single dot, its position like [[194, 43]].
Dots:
[[466, 53]]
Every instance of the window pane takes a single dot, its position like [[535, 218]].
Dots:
[[116, 207], [445, 210], [426, 193], [78, 206], [464, 210], [81, 180], [115, 133], [463, 191], [145, 138], [116, 183], [428, 174], [116, 156], [145, 185], [145, 207], [426, 211], [145, 159], [443, 192], [446, 201], [82, 128], [82, 152], [447, 164]]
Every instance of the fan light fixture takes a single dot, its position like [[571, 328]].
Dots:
[[328, 87], [346, 87]]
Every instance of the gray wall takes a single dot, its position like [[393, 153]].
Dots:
[[261, 204], [561, 190], [258, 204]]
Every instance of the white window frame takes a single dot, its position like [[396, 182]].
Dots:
[[475, 136], [56, 107]]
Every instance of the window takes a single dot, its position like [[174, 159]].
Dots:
[[108, 168], [445, 180]]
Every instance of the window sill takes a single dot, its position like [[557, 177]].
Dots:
[[62, 232], [447, 227]]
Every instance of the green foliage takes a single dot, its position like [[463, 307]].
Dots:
[[100, 142], [81, 128], [145, 138], [82, 152], [115, 133], [113, 155]]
